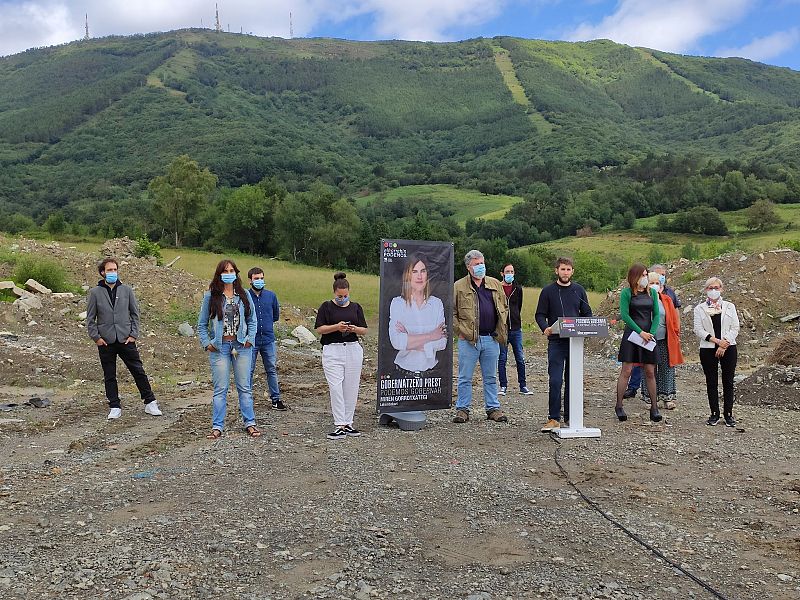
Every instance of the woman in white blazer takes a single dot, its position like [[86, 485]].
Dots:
[[716, 325]]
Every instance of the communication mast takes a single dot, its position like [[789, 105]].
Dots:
[[291, 28], [86, 37], [216, 8]]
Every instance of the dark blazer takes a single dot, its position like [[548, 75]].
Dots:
[[515, 307], [112, 323]]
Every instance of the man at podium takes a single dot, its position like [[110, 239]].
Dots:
[[562, 298]]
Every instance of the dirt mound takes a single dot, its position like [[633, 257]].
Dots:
[[787, 353], [773, 386], [119, 248], [763, 286]]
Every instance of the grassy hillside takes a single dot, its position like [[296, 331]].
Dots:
[[464, 203], [641, 243], [96, 120]]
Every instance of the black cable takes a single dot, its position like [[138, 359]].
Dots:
[[628, 532]]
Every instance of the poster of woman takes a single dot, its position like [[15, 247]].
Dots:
[[415, 356]]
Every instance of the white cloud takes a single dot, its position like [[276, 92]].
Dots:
[[669, 25], [28, 23], [765, 48]]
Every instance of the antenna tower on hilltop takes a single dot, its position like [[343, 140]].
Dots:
[[291, 28], [86, 36], [216, 8]]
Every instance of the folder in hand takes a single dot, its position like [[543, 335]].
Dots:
[[639, 341]]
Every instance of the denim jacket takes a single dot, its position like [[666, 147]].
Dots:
[[247, 329]]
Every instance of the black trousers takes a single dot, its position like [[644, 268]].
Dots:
[[711, 365], [130, 356]]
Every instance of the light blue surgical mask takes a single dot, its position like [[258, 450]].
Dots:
[[111, 278], [479, 271], [258, 284], [341, 301], [508, 278], [228, 277], [662, 279]]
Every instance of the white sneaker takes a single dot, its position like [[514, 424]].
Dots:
[[151, 408], [501, 391], [114, 413]]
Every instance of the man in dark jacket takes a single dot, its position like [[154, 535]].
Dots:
[[112, 320], [513, 292], [562, 298]]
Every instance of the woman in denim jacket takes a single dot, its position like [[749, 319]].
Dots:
[[227, 329]]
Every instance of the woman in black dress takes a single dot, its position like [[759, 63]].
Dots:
[[638, 307]]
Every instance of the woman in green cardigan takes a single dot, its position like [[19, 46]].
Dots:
[[638, 306]]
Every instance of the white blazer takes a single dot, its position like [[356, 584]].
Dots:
[[703, 326]]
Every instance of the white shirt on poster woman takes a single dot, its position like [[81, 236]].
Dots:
[[415, 319]]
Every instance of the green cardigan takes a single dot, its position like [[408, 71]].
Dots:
[[625, 310]]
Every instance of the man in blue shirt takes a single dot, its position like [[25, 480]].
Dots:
[[267, 313]]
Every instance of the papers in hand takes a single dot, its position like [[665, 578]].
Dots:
[[639, 341]]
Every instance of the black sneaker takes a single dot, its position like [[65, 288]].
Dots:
[[278, 405], [712, 420], [729, 421], [629, 393], [351, 431], [337, 434]]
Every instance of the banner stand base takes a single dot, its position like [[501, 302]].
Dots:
[[413, 420], [583, 432]]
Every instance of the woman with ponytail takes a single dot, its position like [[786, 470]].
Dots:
[[227, 330]]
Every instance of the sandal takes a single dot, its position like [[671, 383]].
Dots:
[[214, 435], [253, 431]]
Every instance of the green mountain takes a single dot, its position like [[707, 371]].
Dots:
[[94, 121]]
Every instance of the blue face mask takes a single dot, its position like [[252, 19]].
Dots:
[[228, 277], [508, 278], [258, 284], [479, 271], [662, 279], [111, 278], [341, 301]]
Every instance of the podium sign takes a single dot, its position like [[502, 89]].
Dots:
[[577, 329], [583, 327]]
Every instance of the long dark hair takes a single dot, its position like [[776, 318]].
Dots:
[[218, 297], [634, 274]]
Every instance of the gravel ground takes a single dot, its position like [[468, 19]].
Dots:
[[148, 508]]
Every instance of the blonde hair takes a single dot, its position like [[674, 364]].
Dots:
[[712, 281], [653, 277]]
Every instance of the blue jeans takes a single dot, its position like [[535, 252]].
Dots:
[[222, 362], [515, 339], [486, 351], [558, 372], [635, 382], [269, 356]]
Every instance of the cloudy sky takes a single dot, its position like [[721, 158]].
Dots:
[[762, 30]]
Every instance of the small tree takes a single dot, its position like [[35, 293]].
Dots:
[[762, 215], [180, 193]]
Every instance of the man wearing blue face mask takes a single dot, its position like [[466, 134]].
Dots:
[[112, 320], [480, 319], [513, 291], [267, 313]]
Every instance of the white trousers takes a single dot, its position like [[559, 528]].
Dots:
[[342, 366]]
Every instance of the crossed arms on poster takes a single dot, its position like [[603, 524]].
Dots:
[[417, 326]]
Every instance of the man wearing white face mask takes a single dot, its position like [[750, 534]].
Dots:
[[716, 325], [480, 319]]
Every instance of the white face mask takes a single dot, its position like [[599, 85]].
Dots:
[[643, 282], [655, 286], [714, 294]]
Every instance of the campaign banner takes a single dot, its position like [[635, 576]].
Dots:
[[415, 337]]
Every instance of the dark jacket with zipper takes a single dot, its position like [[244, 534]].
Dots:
[[515, 307]]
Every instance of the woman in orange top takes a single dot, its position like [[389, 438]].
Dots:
[[668, 346]]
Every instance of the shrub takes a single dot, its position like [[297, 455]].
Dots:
[[793, 244], [47, 272], [690, 251], [145, 248]]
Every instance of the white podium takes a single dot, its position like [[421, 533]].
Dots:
[[577, 329]]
